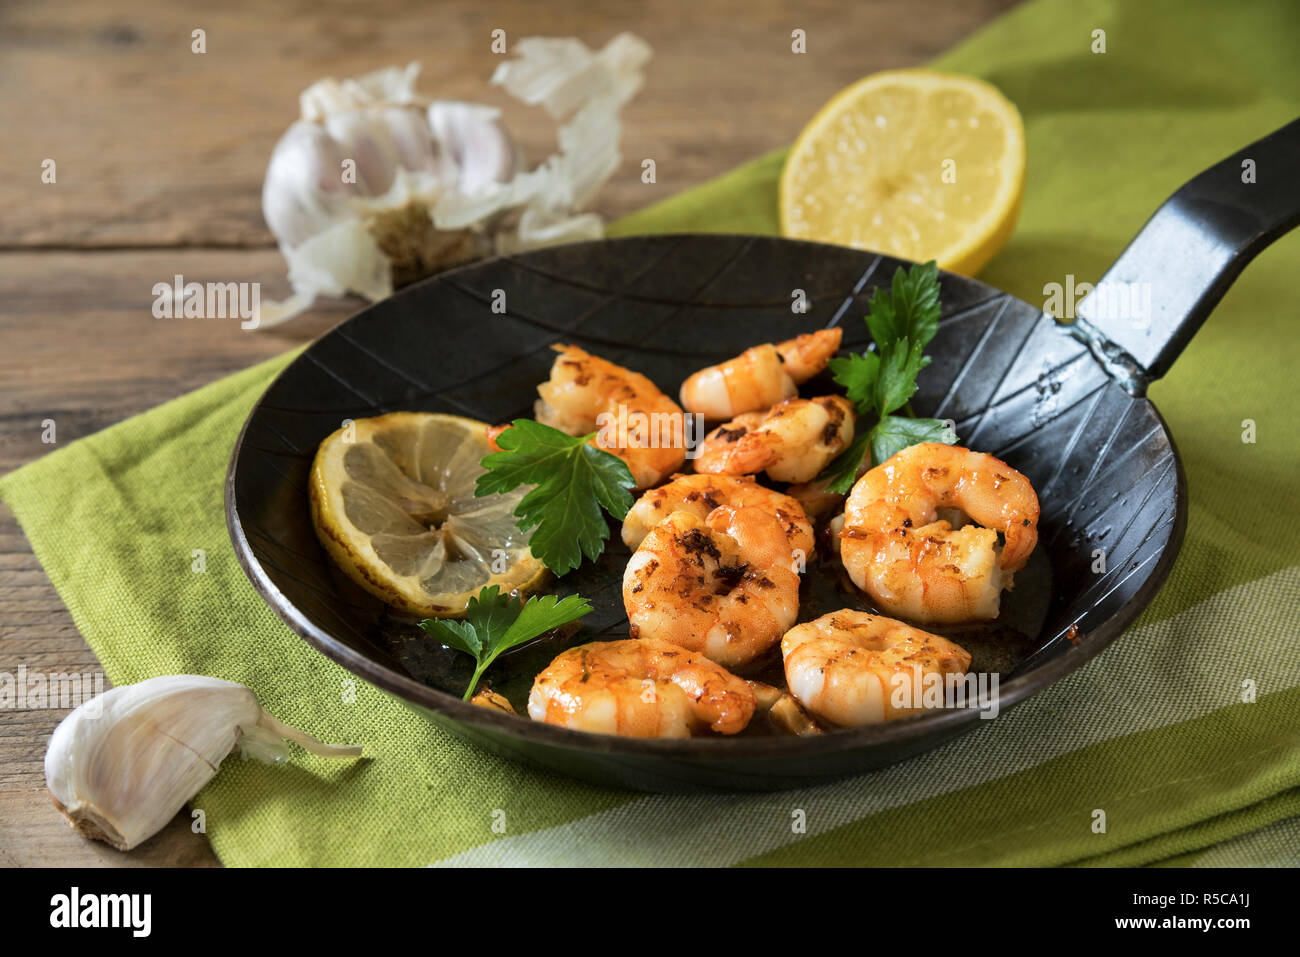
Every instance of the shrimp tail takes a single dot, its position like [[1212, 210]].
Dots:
[[806, 355]]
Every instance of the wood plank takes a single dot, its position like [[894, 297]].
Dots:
[[83, 346], [34, 834], [157, 145]]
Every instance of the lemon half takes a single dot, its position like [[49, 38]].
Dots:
[[392, 499], [913, 163]]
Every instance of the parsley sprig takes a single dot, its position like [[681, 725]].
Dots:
[[494, 623], [574, 481], [902, 321]]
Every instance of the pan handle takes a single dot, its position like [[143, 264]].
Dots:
[[1150, 303]]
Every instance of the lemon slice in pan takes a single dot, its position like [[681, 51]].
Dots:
[[392, 499]]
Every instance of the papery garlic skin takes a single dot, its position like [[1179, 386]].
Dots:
[[560, 72], [454, 162], [566, 78], [123, 764], [389, 85]]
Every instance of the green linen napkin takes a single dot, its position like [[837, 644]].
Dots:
[[1160, 732]]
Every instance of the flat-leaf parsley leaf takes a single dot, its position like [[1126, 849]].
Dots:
[[909, 309], [574, 481], [494, 623], [902, 321]]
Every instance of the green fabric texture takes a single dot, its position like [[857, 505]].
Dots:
[[1154, 733]]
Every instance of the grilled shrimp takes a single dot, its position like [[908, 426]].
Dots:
[[641, 689], [818, 501], [759, 377], [636, 421], [899, 544], [792, 442], [724, 586], [701, 494], [844, 667]]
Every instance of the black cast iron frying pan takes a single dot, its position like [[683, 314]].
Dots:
[[1063, 404]]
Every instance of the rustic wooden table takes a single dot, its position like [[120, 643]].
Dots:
[[159, 156]]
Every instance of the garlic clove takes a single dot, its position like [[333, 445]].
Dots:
[[487, 698], [787, 715], [416, 148], [767, 695], [124, 763], [473, 138], [303, 193]]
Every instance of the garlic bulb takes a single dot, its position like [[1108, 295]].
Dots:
[[375, 187], [124, 763]]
